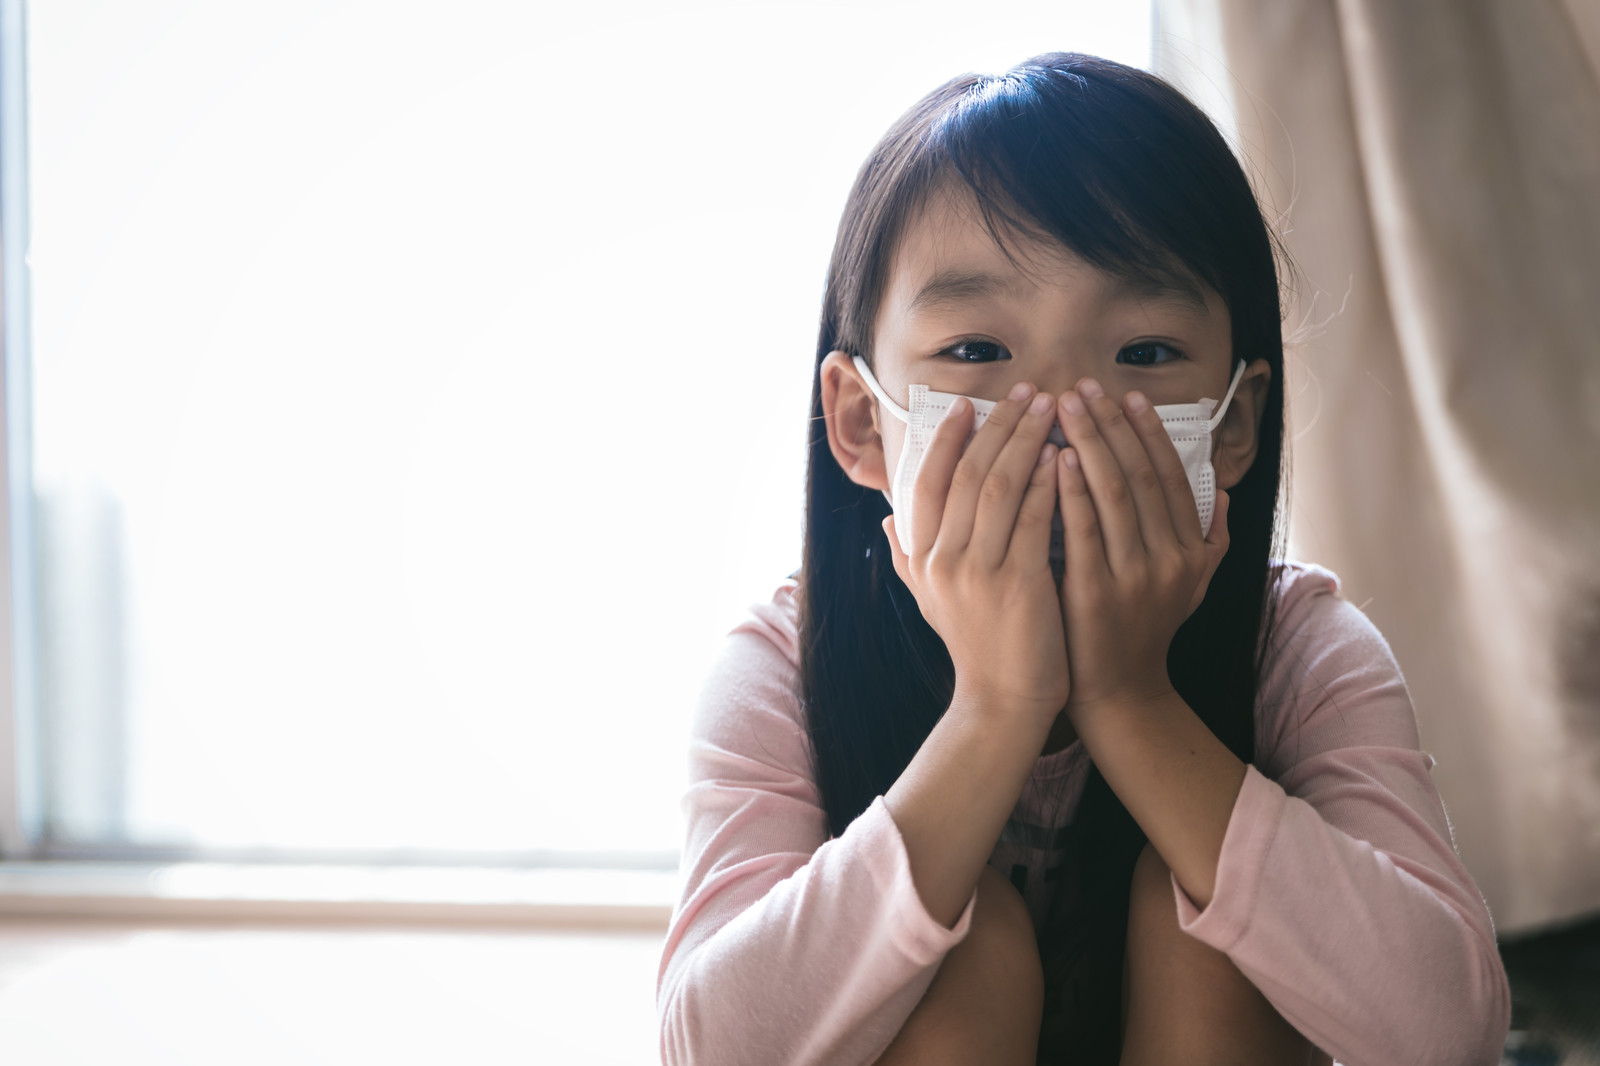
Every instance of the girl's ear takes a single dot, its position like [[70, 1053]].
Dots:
[[1233, 446], [851, 412]]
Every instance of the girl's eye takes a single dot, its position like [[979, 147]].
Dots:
[[1145, 354], [973, 350]]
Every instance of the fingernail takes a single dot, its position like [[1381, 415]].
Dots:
[[958, 406], [1041, 404], [1020, 391], [1137, 402], [1070, 401], [1070, 457], [1046, 454], [1091, 388]]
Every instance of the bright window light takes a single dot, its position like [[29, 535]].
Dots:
[[420, 392]]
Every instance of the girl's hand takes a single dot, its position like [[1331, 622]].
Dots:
[[980, 559], [1137, 564]]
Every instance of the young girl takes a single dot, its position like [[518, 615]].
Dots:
[[1045, 753]]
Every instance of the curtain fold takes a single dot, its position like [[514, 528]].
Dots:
[[1435, 172]]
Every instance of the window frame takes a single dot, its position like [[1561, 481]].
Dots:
[[21, 817]]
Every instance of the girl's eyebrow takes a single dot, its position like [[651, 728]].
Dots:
[[954, 287], [1178, 292]]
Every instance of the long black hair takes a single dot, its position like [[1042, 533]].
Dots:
[[1120, 168]]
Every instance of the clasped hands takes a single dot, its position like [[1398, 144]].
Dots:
[[1137, 563]]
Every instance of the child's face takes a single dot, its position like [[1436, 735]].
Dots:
[[957, 316]]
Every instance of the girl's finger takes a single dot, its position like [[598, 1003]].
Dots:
[[1085, 545], [1183, 512], [1008, 481], [896, 556], [931, 486], [1133, 451], [1218, 537], [1216, 547], [1030, 534], [981, 457], [1113, 497]]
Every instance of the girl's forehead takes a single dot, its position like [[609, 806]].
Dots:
[[947, 260], [948, 231]]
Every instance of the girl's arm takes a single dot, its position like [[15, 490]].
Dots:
[[1339, 892], [952, 801], [788, 947]]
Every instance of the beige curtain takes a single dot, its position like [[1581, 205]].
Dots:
[[1436, 167]]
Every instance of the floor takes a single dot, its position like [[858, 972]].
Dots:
[[92, 992], [1555, 996], [106, 992]]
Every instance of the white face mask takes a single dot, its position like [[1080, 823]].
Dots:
[[1188, 424]]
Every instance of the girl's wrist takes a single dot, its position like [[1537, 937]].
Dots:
[[1127, 700], [995, 708]]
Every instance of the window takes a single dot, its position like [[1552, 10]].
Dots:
[[371, 385]]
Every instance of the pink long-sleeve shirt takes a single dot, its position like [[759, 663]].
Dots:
[[1339, 892]]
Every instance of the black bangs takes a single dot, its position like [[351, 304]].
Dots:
[[1105, 166]]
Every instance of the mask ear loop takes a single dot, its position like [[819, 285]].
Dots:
[[877, 390], [899, 412], [1216, 420]]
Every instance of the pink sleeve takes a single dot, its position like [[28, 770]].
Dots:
[[1339, 893], [785, 946]]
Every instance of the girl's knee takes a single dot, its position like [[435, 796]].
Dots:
[[986, 1001], [1151, 877], [1179, 992], [1149, 874], [1006, 941]]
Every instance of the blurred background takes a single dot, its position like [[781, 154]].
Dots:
[[402, 401]]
